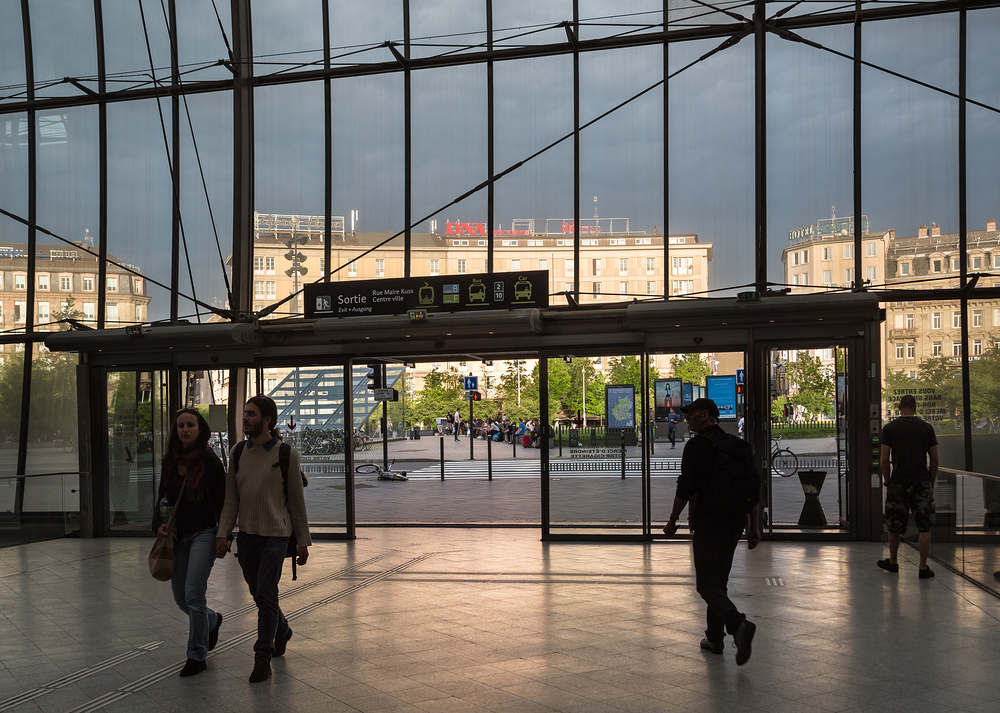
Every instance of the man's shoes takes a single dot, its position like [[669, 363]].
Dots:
[[193, 668], [716, 647], [926, 573], [261, 671], [744, 637], [213, 635], [280, 644], [887, 565]]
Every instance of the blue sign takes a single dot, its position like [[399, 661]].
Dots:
[[722, 390], [471, 383], [686, 393], [741, 376]]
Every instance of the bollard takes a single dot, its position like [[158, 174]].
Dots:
[[489, 457], [560, 441], [623, 454], [441, 441]]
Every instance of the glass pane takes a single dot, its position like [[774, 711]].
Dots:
[[595, 465], [621, 169], [126, 54], [691, 13], [983, 139], [450, 29], [623, 18], [712, 201], [919, 144], [450, 158], [287, 36], [139, 214], [807, 477], [73, 55], [517, 23], [12, 78], [200, 40], [358, 30], [132, 434], [206, 206]]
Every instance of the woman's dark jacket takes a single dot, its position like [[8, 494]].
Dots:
[[202, 505]]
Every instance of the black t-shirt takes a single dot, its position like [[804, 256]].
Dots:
[[909, 439]]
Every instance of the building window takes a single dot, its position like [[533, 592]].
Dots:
[[977, 347], [89, 312], [623, 266], [650, 265], [899, 352], [955, 266], [43, 281], [682, 265], [435, 267], [805, 257], [596, 267], [909, 321], [352, 268], [956, 320], [898, 321], [848, 251], [258, 265], [904, 268], [88, 283], [913, 374], [380, 266], [996, 318], [569, 267], [827, 277], [956, 349], [910, 351], [137, 285], [543, 264], [871, 273], [650, 287], [43, 312], [977, 262], [65, 283], [112, 283], [683, 287], [996, 259], [849, 275], [936, 320], [322, 266], [111, 312], [515, 265], [623, 288], [827, 254], [138, 314], [871, 249], [20, 312], [977, 318], [935, 266], [597, 290], [269, 265], [20, 282], [258, 289], [795, 259], [936, 349], [461, 267], [272, 289]]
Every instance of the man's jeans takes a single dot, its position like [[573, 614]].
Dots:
[[714, 548], [261, 559], [194, 556]]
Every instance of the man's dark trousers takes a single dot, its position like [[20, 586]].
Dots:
[[714, 546], [261, 559]]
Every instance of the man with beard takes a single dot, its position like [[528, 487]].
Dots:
[[269, 502]]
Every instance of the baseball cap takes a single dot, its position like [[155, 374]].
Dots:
[[705, 404]]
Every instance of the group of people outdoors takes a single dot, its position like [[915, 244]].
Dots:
[[500, 428], [209, 500]]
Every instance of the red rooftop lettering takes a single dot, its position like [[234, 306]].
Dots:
[[465, 229]]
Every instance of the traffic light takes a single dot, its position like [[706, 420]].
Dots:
[[475, 396], [739, 388], [375, 380]]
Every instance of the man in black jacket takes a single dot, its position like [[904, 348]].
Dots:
[[715, 535]]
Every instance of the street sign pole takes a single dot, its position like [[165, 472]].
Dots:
[[472, 439]]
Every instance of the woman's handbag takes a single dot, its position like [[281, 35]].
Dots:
[[161, 557]]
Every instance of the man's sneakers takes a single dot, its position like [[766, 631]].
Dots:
[[716, 647], [888, 566], [193, 668], [213, 635], [744, 637], [280, 644], [261, 671], [926, 573]]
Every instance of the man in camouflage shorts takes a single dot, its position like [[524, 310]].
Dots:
[[912, 446]]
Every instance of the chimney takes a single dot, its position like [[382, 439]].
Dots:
[[935, 229], [991, 224], [922, 233]]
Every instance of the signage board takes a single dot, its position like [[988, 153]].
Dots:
[[620, 406], [686, 397], [471, 382], [451, 293], [741, 376], [384, 394], [722, 390], [666, 395]]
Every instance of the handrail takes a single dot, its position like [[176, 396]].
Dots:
[[969, 472], [39, 475]]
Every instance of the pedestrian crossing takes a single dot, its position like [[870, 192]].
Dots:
[[528, 469]]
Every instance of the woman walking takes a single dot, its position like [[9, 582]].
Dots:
[[194, 482]]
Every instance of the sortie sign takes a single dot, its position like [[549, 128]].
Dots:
[[451, 293]]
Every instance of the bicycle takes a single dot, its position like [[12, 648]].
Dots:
[[383, 473], [362, 441], [783, 461]]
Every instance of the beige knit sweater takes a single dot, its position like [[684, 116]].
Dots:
[[255, 496]]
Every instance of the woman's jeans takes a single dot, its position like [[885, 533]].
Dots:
[[261, 559], [194, 556]]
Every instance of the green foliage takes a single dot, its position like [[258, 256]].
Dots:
[[691, 368], [440, 395], [778, 408], [53, 396], [814, 385], [627, 370]]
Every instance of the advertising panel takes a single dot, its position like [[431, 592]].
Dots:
[[666, 395], [619, 403], [722, 390], [687, 397]]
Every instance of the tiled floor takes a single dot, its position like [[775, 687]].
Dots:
[[494, 620]]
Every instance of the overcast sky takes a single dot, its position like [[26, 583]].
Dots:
[[910, 154]]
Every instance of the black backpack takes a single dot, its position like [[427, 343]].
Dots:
[[733, 485], [284, 456]]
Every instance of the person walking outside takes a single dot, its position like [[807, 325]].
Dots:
[[192, 482], [673, 418], [910, 443], [270, 506], [721, 482], [458, 423]]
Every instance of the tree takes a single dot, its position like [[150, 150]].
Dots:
[[813, 383], [691, 368], [440, 395]]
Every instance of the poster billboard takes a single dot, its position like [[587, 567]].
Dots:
[[687, 397], [619, 405], [666, 395], [722, 390]]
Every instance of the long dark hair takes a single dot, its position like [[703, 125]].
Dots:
[[268, 409], [174, 446]]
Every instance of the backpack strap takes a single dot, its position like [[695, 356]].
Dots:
[[237, 453]]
